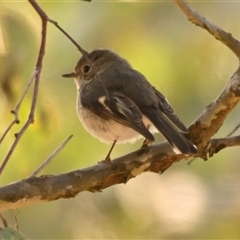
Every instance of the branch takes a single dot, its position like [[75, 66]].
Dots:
[[216, 145], [48, 188], [234, 130], [224, 37], [49, 159], [210, 121], [212, 118], [36, 76], [156, 158]]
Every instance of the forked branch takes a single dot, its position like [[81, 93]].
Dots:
[[156, 158]]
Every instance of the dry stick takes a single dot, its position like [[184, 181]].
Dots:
[[214, 115], [217, 145], [16, 220], [84, 53], [26, 125], [36, 76], [5, 223], [221, 35], [234, 130], [48, 160], [109, 178], [7, 130], [16, 109], [36, 87]]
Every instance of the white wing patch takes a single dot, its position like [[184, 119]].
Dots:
[[101, 100]]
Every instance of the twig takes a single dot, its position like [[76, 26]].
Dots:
[[234, 130], [16, 220], [48, 160], [7, 130], [84, 53], [16, 109], [155, 159], [221, 35], [210, 121], [26, 125], [95, 178], [5, 223], [35, 76], [215, 145], [38, 70]]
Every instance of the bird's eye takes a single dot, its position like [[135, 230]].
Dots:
[[86, 69]]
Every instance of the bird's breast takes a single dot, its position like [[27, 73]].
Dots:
[[106, 130]]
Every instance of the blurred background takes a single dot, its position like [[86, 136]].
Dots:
[[200, 200]]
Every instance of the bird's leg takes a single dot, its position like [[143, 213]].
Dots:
[[108, 158], [146, 141]]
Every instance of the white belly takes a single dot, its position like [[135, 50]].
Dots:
[[109, 130]]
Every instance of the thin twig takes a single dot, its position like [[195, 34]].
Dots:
[[155, 158], [38, 70], [16, 109], [84, 53], [49, 159], [16, 220], [221, 35], [234, 130], [5, 223], [35, 76], [7, 130]]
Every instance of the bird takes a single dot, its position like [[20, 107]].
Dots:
[[116, 104]]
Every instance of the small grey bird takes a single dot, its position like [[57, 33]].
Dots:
[[116, 103]]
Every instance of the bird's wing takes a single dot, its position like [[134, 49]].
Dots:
[[169, 112], [168, 130], [118, 107], [164, 119]]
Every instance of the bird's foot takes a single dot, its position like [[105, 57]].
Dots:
[[106, 160], [145, 143]]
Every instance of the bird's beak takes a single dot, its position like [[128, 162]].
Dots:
[[69, 75]]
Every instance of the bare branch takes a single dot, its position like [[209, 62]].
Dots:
[[48, 188], [7, 130], [215, 145], [214, 115], [36, 77], [212, 118], [49, 159], [224, 37], [84, 53], [5, 223], [155, 159], [36, 85], [16, 109], [234, 130]]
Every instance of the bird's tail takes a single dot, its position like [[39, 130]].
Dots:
[[171, 133]]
